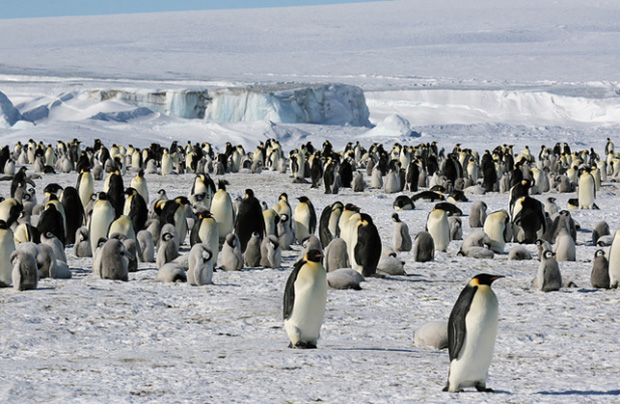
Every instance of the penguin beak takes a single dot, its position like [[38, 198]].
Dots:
[[495, 277]]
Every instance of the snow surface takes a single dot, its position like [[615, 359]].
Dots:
[[477, 73]]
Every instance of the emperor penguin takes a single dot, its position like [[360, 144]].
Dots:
[[101, 218], [136, 209], [222, 211], [548, 278], [205, 230], [401, 238], [166, 163], [328, 223], [551, 207], [285, 232], [25, 272], [51, 221], [200, 265], [365, 246], [231, 255], [305, 297], [122, 225], [81, 247], [358, 183], [305, 218], [10, 210], [472, 330], [71, 203], [529, 223], [271, 254], [614, 261], [85, 185], [114, 261], [497, 227], [336, 255], [439, 228], [599, 278], [249, 219], [271, 218], [423, 247], [477, 214], [587, 190]]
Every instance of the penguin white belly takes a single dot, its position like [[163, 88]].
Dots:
[[495, 231], [7, 246], [305, 321], [100, 223], [586, 192], [472, 365], [209, 235], [222, 210], [614, 261], [440, 231], [302, 221]]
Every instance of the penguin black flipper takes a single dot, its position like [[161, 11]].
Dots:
[[456, 322], [289, 290], [324, 233], [194, 237]]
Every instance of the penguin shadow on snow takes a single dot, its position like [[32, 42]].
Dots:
[[580, 393]]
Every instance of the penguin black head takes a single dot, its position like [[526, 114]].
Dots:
[[484, 279], [366, 218], [221, 184], [303, 199], [350, 206], [130, 191], [103, 196], [249, 193], [182, 200], [314, 256], [395, 217], [3, 225], [283, 196], [205, 214], [52, 188]]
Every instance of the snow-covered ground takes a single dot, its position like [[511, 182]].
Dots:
[[478, 73]]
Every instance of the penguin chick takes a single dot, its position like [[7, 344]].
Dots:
[[336, 255], [168, 245], [285, 233], [305, 296], [271, 255], [391, 265], [433, 334], [599, 278], [564, 248], [25, 271], [231, 256], [52, 267], [549, 277], [476, 252], [345, 278], [472, 330], [252, 254], [519, 253], [59, 250], [424, 247], [81, 248], [147, 246], [401, 238], [114, 261], [171, 272], [477, 214], [200, 265]]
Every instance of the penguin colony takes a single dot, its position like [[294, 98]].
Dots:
[[111, 216]]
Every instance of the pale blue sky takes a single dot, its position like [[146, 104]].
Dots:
[[56, 8]]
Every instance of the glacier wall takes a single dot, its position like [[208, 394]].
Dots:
[[8, 113], [327, 104]]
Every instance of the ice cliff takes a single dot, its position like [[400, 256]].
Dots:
[[328, 104], [8, 113]]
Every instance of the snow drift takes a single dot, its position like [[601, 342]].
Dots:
[[327, 104]]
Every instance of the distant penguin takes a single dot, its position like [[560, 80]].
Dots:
[[472, 330], [365, 247], [549, 277], [271, 255], [231, 257], [147, 246], [200, 265], [403, 202], [25, 272], [171, 272], [305, 297], [114, 261], [252, 254], [285, 232], [497, 227], [222, 210], [439, 228], [305, 218], [336, 255], [345, 278], [587, 190], [249, 219], [599, 278], [423, 247], [82, 248], [401, 238], [168, 248], [614, 261], [564, 246], [101, 218], [427, 196], [328, 223], [477, 214]]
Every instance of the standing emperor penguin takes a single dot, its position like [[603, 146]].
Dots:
[[599, 278], [71, 203], [472, 330], [365, 246], [101, 218], [587, 190], [401, 239], [497, 227], [136, 209], [305, 219], [438, 226], [173, 212], [249, 219], [205, 230], [85, 185], [305, 296], [7, 246], [614, 261], [139, 184], [328, 223], [222, 210]]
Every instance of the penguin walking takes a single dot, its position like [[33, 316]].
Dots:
[[599, 278], [439, 228], [305, 296], [472, 330], [401, 239], [549, 277], [305, 218]]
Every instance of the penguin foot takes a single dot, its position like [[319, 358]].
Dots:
[[483, 389], [303, 345]]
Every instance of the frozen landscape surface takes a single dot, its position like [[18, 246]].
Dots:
[[481, 74]]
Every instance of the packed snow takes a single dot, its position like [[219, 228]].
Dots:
[[480, 74]]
